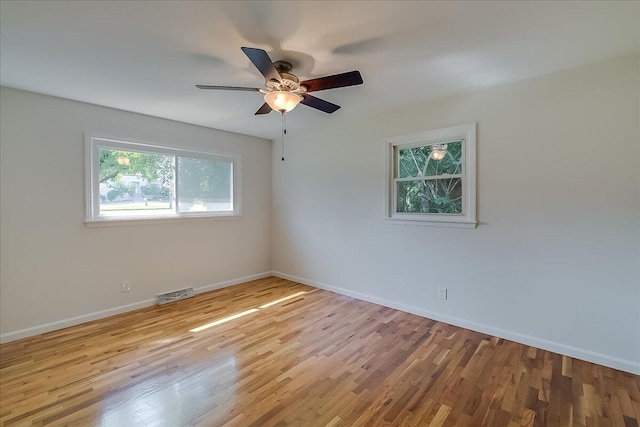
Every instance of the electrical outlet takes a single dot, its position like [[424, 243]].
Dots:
[[442, 293], [125, 286]]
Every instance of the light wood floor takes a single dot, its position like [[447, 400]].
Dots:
[[318, 359]]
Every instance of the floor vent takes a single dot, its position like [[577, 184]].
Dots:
[[175, 296]]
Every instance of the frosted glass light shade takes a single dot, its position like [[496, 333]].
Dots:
[[282, 100]]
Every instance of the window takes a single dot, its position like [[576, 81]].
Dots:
[[132, 180], [431, 177]]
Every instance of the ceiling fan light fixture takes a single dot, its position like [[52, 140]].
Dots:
[[284, 91], [282, 101]]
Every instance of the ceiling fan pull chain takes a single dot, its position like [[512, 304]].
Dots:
[[284, 132]]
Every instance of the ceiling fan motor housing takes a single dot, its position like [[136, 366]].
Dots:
[[290, 82]]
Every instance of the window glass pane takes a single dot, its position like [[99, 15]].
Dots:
[[204, 185], [430, 160], [134, 183], [433, 196], [412, 161]]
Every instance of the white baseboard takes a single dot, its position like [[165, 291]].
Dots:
[[72, 321], [567, 350]]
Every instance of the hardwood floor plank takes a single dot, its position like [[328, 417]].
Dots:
[[298, 356]]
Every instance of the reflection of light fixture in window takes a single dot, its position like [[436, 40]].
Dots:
[[282, 101], [124, 161], [438, 151]]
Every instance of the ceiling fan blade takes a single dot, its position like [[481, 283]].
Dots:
[[350, 78], [247, 89], [265, 109], [263, 63], [319, 104]]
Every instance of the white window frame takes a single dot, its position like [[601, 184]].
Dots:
[[466, 133], [94, 142]]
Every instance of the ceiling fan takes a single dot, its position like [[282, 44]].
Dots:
[[283, 90]]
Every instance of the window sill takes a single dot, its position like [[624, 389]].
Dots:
[[452, 224], [114, 222]]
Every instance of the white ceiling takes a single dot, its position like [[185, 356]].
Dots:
[[147, 56]]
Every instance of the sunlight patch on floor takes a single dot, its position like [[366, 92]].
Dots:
[[244, 313]]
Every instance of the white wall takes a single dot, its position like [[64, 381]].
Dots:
[[54, 269], [555, 259]]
